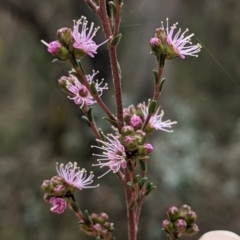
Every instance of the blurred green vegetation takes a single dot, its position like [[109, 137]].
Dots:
[[198, 164]]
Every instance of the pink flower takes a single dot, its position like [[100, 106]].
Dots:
[[74, 176], [83, 39], [179, 42], [155, 42], [135, 121], [148, 148], [53, 47], [58, 205], [113, 155], [80, 94], [156, 121]]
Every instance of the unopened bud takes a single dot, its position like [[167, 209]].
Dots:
[[180, 226], [64, 35], [59, 190], [156, 45], [173, 213], [136, 121], [168, 226], [104, 216], [130, 143], [46, 186], [127, 130], [56, 49], [56, 180], [193, 229], [148, 148], [190, 217]]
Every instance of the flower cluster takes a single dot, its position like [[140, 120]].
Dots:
[[136, 117], [60, 188], [100, 227], [78, 41], [178, 45], [78, 92]]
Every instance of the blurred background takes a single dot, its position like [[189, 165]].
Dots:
[[198, 164]]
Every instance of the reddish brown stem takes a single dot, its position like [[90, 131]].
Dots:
[[92, 5], [132, 227], [91, 123], [102, 12], [156, 94]]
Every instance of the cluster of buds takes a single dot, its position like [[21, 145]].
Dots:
[[55, 191], [55, 187], [77, 42], [180, 222], [97, 225], [134, 142]]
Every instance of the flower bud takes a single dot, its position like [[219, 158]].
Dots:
[[193, 229], [97, 227], [173, 213], [190, 217], [180, 227], [127, 130], [156, 45], [185, 207], [141, 135], [126, 116], [148, 148], [46, 186], [130, 143], [57, 50], [63, 83], [109, 226], [136, 121], [64, 35], [56, 180], [59, 190], [46, 197], [145, 150], [104, 216], [168, 226]]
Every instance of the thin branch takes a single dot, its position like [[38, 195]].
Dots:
[[102, 12]]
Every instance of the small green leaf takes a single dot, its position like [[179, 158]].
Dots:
[[113, 122], [142, 181], [90, 115], [161, 84], [116, 40], [101, 133], [152, 106], [130, 184], [88, 217], [162, 60], [143, 165], [93, 88], [150, 187], [155, 76], [136, 179], [86, 119]]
